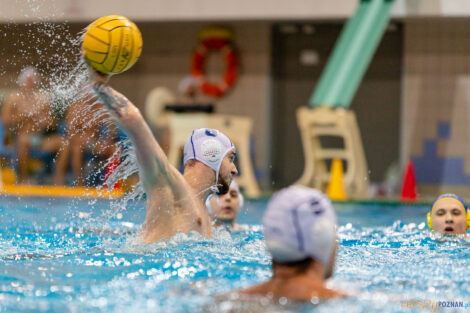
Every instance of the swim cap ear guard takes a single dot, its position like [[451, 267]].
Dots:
[[429, 218], [455, 197], [241, 200], [208, 203]]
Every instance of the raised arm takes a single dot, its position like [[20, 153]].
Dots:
[[156, 171]]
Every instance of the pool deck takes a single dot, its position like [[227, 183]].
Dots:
[[92, 192], [373, 201], [59, 191]]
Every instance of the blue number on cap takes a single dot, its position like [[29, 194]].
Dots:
[[315, 208], [211, 132]]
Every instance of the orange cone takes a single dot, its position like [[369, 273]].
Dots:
[[408, 190], [335, 189]]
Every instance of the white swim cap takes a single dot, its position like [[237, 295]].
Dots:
[[208, 146], [300, 222], [241, 199]]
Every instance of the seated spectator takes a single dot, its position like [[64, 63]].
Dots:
[[187, 93], [188, 88], [85, 120], [28, 115]]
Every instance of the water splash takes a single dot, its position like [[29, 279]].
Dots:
[[54, 49]]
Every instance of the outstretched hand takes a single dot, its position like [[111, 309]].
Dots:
[[116, 102], [96, 76], [93, 74]]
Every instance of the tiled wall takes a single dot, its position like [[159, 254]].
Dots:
[[436, 103]]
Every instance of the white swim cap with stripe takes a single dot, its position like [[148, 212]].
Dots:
[[300, 222], [208, 146]]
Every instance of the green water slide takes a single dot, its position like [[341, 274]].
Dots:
[[352, 54]]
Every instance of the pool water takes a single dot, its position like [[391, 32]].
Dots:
[[76, 255]]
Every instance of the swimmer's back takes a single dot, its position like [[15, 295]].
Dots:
[[292, 290]]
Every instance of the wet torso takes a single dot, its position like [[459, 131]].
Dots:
[[168, 214], [293, 290]]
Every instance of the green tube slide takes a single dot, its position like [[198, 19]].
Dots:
[[352, 54]]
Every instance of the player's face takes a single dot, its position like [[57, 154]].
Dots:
[[226, 173], [448, 217], [225, 207]]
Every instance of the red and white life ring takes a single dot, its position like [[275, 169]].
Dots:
[[218, 40]]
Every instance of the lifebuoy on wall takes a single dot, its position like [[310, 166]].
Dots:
[[217, 39]]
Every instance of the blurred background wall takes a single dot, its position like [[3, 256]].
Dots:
[[413, 103], [436, 103], [300, 52], [165, 60], [209, 10]]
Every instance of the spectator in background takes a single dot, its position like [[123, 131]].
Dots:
[[187, 88], [85, 121], [161, 101], [28, 115]]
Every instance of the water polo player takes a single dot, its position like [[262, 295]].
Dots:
[[300, 233], [449, 215], [224, 208], [175, 201]]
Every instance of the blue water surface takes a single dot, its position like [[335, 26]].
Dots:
[[76, 255]]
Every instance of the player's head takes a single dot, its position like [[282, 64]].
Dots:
[[300, 224], [215, 150], [449, 215]]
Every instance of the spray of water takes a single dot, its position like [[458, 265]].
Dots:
[[53, 48]]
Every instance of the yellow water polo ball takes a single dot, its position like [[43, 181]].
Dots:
[[112, 44]]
